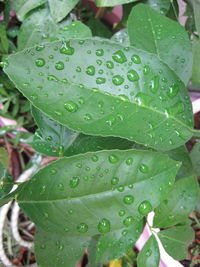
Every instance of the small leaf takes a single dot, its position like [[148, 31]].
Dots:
[[176, 240], [112, 2], [76, 198], [178, 204], [159, 35], [23, 7], [110, 90], [60, 9], [149, 256]]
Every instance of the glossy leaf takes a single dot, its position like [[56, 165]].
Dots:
[[98, 28], [107, 93], [149, 256], [79, 197], [102, 3], [182, 155], [39, 28], [176, 240], [161, 6], [56, 140], [23, 7], [195, 158], [60, 9], [178, 204], [196, 65], [159, 35]]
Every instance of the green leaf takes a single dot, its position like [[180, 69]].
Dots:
[[39, 27], [149, 256], [121, 37], [98, 28], [60, 9], [181, 154], [56, 140], [6, 182], [178, 204], [102, 3], [23, 7], [159, 35], [104, 248], [107, 93], [4, 157], [195, 156], [176, 240], [3, 40], [196, 59], [79, 197], [161, 6], [196, 9]]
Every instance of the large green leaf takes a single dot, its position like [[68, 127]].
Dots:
[[149, 256], [39, 27], [159, 35], [61, 8], [112, 2], [56, 140], [107, 92], [178, 204], [196, 62], [23, 7], [79, 197], [176, 240]]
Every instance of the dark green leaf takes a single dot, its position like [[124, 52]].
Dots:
[[151, 107], [23, 7], [195, 158], [39, 27], [3, 40], [162, 6], [196, 62], [60, 9], [176, 240], [178, 204], [159, 35], [149, 256], [181, 154], [112, 2], [5, 181], [77, 198], [98, 28]]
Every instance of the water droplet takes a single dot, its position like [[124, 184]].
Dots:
[[144, 168], [74, 182], [49, 138], [128, 221], [146, 69], [34, 97], [99, 62], [95, 158], [61, 187], [122, 213], [128, 199], [78, 69], [90, 70], [114, 180], [100, 80], [154, 85], [52, 78], [104, 226], [113, 159], [177, 108], [129, 161], [66, 229], [124, 232], [110, 120], [120, 188], [148, 253], [99, 52], [53, 171], [39, 47], [40, 62], [117, 80], [59, 65], [70, 106], [119, 57], [109, 64], [173, 90], [87, 117], [171, 217], [145, 207], [136, 59], [67, 49], [82, 228], [132, 75]]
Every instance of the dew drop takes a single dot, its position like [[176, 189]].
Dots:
[[99, 52], [78, 69], [95, 158], [145, 207], [113, 159], [119, 57], [74, 182], [109, 64], [129, 161], [59, 65], [87, 117], [122, 213], [70, 106], [146, 69], [40, 62], [114, 180], [67, 49], [53, 171], [128, 199], [128, 221], [100, 80], [144, 168], [154, 85], [104, 226], [132, 75], [173, 90], [120, 188], [136, 59], [117, 80], [90, 70], [148, 253], [82, 228], [61, 187]]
